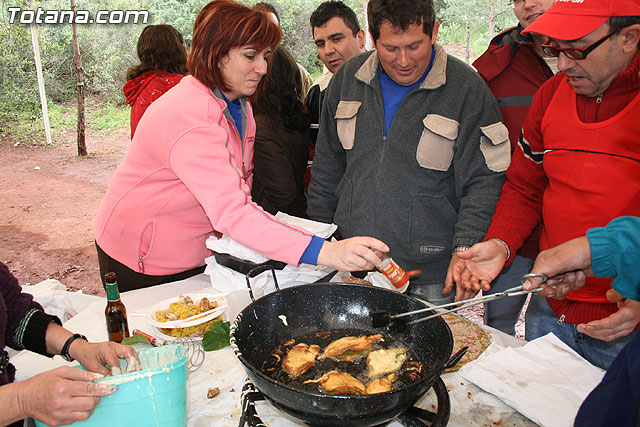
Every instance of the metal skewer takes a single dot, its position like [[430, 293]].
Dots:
[[383, 318]]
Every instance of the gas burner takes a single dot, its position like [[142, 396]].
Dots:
[[413, 417]]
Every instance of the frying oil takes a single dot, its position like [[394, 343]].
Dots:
[[357, 368]]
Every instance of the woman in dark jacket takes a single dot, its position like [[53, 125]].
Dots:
[[60, 396], [282, 140]]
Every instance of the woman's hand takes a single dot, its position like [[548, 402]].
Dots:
[[94, 356], [59, 397], [353, 254]]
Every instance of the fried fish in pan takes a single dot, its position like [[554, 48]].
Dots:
[[382, 362], [381, 385], [350, 348], [339, 383], [300, 359]]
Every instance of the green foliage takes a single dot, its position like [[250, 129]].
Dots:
[[109, 117], [18, 83], [108, 50], [216, 336], [135, 339], [28, 126], [62, 116], [455, 14], [22, 126]]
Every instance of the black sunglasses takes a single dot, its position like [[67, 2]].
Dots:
[[573, 52]]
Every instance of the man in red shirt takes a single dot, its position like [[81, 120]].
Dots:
[[514, 67], [577, 167]]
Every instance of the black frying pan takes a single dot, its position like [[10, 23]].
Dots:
[[257, 331]]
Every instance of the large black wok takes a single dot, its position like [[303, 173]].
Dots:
[[258, 330]]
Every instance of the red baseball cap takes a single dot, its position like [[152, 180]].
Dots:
[[574, 19]]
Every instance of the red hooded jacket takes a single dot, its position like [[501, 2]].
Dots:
[[144, 89], [514, 72]]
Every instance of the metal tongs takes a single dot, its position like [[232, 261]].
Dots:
[[383, 318]]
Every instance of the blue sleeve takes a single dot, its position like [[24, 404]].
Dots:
[[615, 252], [310, 255]]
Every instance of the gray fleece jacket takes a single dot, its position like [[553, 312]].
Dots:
[[430, 184]]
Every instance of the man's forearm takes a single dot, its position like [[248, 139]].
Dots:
[[519, 209]]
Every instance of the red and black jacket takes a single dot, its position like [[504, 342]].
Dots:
[[514, 71]]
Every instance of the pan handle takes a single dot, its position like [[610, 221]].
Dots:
[[453, 361], [257, 270]]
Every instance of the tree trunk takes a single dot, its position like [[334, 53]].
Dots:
[[467, 49], [82, 147], [492, 20]]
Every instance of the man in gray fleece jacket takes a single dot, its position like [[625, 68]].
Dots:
[[411, 149]]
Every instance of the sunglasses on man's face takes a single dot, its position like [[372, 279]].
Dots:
[[573, 52]]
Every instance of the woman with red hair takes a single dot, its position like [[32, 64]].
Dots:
[[188, 172]]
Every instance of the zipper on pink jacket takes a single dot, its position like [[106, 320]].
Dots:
[[242, 141]]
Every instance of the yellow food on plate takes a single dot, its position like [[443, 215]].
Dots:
[[184, 309], [191, 331]]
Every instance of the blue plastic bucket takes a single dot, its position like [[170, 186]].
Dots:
[[154, 396]]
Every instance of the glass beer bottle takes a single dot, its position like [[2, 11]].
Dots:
[[115, 313]]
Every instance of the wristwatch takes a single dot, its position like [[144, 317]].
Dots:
[[460, 248], [64, 353]]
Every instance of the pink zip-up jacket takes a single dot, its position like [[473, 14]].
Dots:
[[186, 176]]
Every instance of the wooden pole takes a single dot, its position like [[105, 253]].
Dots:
[[82, 147], [43, 95]]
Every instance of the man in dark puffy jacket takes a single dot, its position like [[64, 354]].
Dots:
[[514, 68]]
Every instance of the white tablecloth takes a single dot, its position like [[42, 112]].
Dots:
[[470, 406]]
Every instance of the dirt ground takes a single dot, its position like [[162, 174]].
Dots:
[[49, 197]]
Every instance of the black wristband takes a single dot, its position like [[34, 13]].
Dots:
[[65, 348], [34, 336]]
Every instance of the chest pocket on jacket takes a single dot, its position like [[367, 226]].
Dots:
[[435, 149], [495, 146], [346, 115]]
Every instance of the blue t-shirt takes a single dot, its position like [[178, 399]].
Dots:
[[393, 93], [235, 109]]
